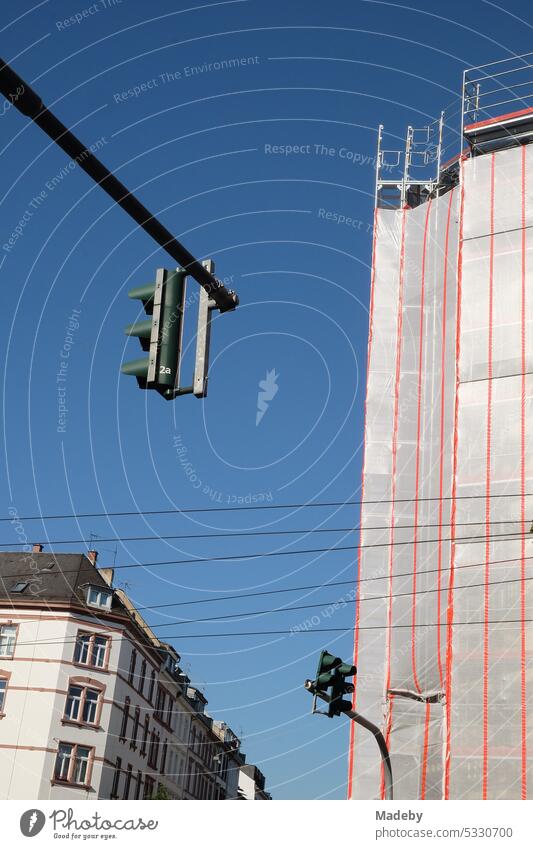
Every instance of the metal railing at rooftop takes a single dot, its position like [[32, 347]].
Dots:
[[497, 89]]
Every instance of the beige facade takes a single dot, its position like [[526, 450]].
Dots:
[[92, 704]]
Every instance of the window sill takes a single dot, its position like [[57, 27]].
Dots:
[[90, 666], [60, 783], [66, 721], [162, 722]]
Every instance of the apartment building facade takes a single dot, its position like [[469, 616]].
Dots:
[[252, 783], [92, 704], [214, 756]]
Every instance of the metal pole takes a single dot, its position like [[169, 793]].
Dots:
[[380, 739], [27, 101]]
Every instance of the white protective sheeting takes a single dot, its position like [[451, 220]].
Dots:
[[490, 670], [408, 456], [444, 653]]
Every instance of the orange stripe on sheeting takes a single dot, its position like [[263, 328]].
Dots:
[[487, 494], [441, 452], [417, 451], [351, 754], [453, 518], [425, 752], [523, 690]]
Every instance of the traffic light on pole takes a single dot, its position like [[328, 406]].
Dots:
[[331, 675], [161, 334]]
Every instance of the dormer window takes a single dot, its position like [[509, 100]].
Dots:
[[99, 597]]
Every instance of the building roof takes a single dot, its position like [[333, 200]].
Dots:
[[51, 577]]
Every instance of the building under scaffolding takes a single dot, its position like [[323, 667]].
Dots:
[[443, 639]]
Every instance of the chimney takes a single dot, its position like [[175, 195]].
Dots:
[[37, 547], [92, 556], [107, 575]]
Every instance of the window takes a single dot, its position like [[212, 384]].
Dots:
[[135, 732], [125, 719], [3, 688], [82, 704], [160, 703], [151, 688], [154, 750], [149, 784], [138, 784], [145, 735], [99, 597], [133, 661], [127, 782], [163, 758], [191, 778], [72, 764], [142, 677], [116, 779], [8, 636], [91, 650], [19, 587], [170, 713]]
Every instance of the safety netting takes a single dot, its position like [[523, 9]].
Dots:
[[443, 637]]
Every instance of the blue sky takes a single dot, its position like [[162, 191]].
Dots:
[[266, 165]]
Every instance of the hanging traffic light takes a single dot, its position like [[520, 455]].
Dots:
[[330, 675], [161, 334]]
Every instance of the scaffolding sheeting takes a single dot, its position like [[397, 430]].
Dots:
[[491, 661], [408, 457], [446, 667]]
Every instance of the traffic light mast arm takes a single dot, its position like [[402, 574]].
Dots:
[[28, 102], [380, 739]]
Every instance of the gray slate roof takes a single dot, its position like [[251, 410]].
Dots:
[[52, 577]]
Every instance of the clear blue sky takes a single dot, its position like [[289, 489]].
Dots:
[[207, 150]]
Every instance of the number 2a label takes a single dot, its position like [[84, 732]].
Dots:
[[164, 370]]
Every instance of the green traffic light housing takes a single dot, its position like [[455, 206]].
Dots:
[[330, 675], [160, 335]]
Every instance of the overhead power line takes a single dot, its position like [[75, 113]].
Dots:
[[350, 628], [288, 609], [346, 630], [466, 540], [225, 534], [352, 582], [246, 507]]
